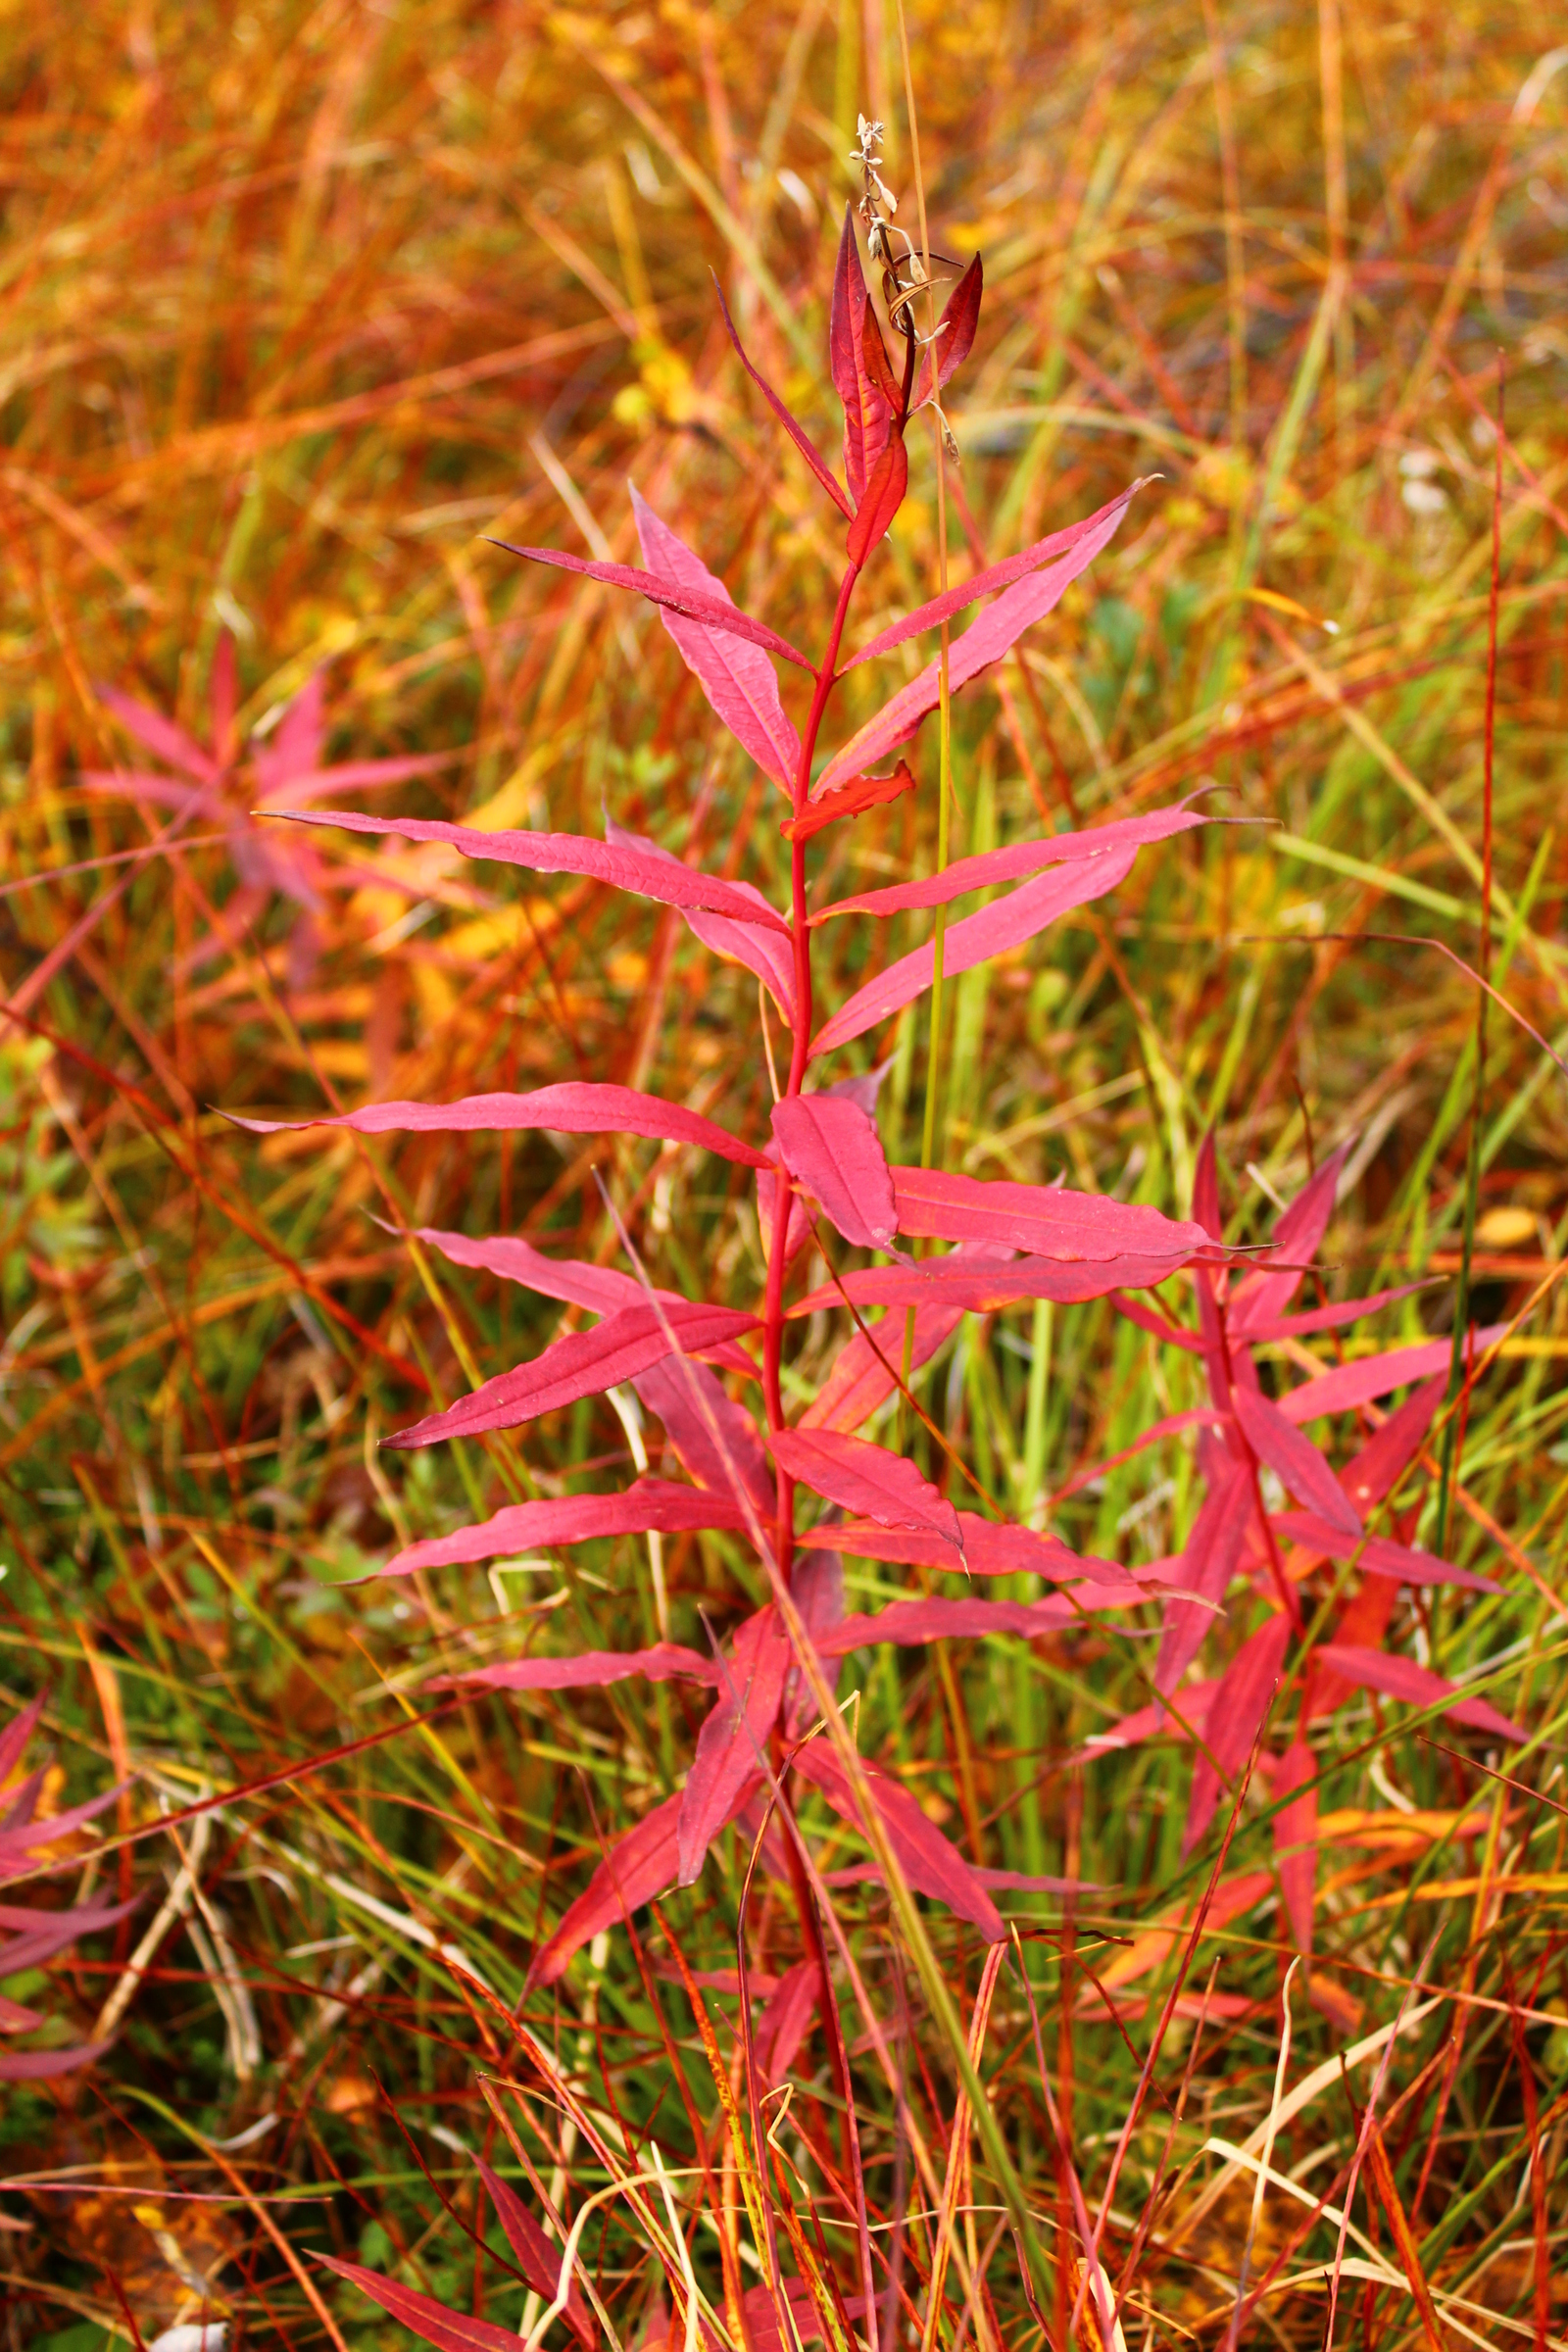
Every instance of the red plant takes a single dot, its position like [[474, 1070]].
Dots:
[[1008, 1241]]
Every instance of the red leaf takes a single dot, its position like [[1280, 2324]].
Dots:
[[991, 1547], [14, 1739], [1205, 1191], [717, 1445], [911, 1622], [650, 877], [737, 678], [1208, 1561], [649, 1503], [1047, 1219], [733, 1738], [1379, 1555], [705, 603], [430, 2321], [1318, 1318], [592, 1670], [955, 338], [582, 1364], [1417, 1686], [1349, 1385], [1294, 1460], [601, 1289], [868, 1478], [875, 364], [861, 1375], [850, 799], [538, 2260], [932, 1866], [160, 735], [1263, 1295], [792, 424], [1012, 864], [1152, 1723], [884, 494], [762, 2317], [786, 2021], [984, 641], [576, 1107], [637, 1867], [1296, 1838], [1008, 923], [1243, 1699], [985, 583], [961, 1286], [1388, 1453], [833, 1151], [761, 951], [1159, 1327], [43, 2066], [866, 416]]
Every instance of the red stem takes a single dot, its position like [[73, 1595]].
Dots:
[[778, 1260]]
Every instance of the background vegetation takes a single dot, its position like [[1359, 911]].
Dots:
[[299, 302]]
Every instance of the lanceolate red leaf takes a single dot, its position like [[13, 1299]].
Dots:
[[538, 2260], [861, 1376], [575, 1107], [1047, 1220], [991, 1547], [1294, 1459], [636, 1868], [1296, 1837], [984, 641], [702, 605], [733, 1740], [650, 1504], [760, 949], [850, 799], [1239, 1706], [737, 678], [1266, 1294], [954, 1285], [1209, 1559], [1349, 1385], [932, 1866], [885, 493], [1379, 1555], [996, 576], [877, 366], [1417, 1686], [650, 877], [910, 1622], [833, 1151], [583, 1364], [955, 329], [1388, 1453], [1014, 864], [792, 424], [594, 1670], [868, 1480], [715, 1438], [1008, 923], [423, 2315], [866, 416], [1333, 1317]]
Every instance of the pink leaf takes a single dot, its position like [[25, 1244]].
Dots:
[[538, 2260], [665, 880], [1294, 1460], [582, 1364], [737, 677], [358, 775], [160, 735], [792, 424], [1012, 864], [156, 791], [1379, 1555], [1241, 1703], [957, 1285], [983, 643], [423, 2315], [576, 1107], [733, 1740], [1296, 1837], [1152, 1723], [761, 949], [14, 1739], [886, 488], [601, 1289], [991, 1547], [714, 1437], [650, 1504], [865, 412], [1349, 1385], [1299, 1228], [1011, 921], [932, 1866], [833, 1151], [850, 799], [786, 2021], [43, 2066], [704, 602], [1208, 1561], [762, 2317], [955, 329], [911, 1622], [1261, 1329], [862, 1374], [1375, 1472], [986, 583], [591, 1670], [1149, 1318], [1047, 1220], [864, 1478], [638, 1866], [1417, 1686]]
